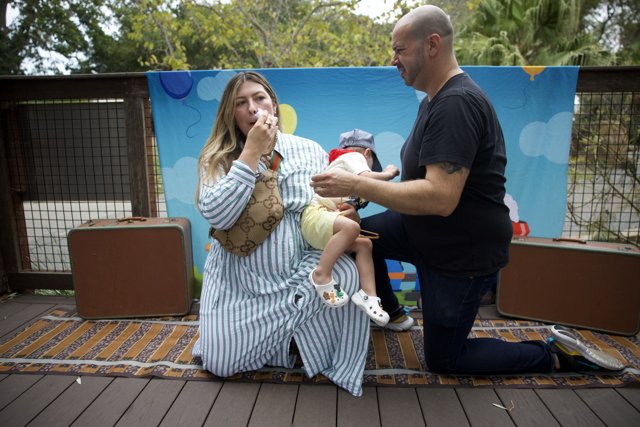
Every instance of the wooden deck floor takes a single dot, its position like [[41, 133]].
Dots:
[[57, 400]]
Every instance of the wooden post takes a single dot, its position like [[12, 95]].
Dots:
[[136, 151], [9, 250]]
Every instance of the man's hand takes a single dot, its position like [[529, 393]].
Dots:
[[335, 183]]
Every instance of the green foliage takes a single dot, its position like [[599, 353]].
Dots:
[[56, 36], [100, 36], [256, 33], [528, 32], [617, 25], [111, 51], [46, 26]]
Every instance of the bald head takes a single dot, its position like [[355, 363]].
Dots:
[[426, 20]]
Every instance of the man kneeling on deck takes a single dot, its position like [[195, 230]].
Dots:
[[447, 214]]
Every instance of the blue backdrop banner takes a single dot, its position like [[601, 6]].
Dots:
[[534, 104]]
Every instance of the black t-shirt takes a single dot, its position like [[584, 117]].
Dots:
[[460, 126]]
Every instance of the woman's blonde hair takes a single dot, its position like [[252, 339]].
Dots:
[[226, 140]]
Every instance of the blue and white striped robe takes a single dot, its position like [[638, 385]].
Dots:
[[248, 313]]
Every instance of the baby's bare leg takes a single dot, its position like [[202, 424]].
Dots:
[[364, 262], [345, 231]]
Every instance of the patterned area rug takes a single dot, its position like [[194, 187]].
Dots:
[[61, 343]]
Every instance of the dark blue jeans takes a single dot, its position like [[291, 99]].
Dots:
[[449, 307]]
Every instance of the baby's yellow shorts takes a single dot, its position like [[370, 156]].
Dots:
[[317, 225]]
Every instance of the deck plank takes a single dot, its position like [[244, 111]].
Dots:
[[358, 411], [14, 386], [13, 315], [109, 406], [399, 406], [441, 406], [568, 408], [316, 406], [274, 406], [71, 403], [528, 409], [610, 407], [234, 404], [631, 395], [45, 299], [152, 404], [489, 311], [9, 307], [193, 404], [478, 405], [34, 400]]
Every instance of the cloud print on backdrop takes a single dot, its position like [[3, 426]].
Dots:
[[211, 88], [388, 145], [180, 181], [535, 108], [540, 138]]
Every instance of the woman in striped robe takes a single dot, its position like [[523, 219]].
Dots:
[[252, 307]]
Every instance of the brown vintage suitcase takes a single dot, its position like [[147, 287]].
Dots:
[[591, 285], [132, 267]]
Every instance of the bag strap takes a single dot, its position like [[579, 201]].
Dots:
[[369, 234], [274, 162]]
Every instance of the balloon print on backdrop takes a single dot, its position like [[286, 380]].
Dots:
[[289, 118], [178, 84], [533, 71], [519, 99]]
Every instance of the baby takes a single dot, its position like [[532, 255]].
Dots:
[[324, 228]]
